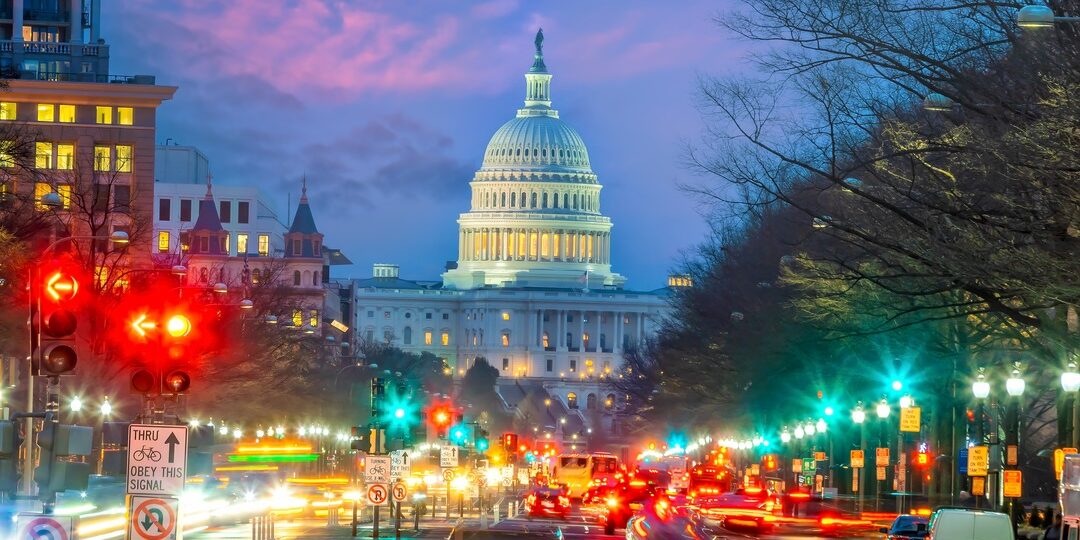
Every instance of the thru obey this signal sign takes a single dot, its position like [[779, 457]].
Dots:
[[152, 518]]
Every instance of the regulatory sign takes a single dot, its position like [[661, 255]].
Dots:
[[447, 475], [881, 473], [857, 459], [152, 518], [1011, 483], [978, 462], [796, 465], [910, 419], [377, 470], [819, 456], [399, 491], [378, 494], [400, 464], [448, 456], [881, 457], [157, 459], [809, 466], [32, 526]]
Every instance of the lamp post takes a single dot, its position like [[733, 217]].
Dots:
[[1036, 17], [981, 390], [858, 416], [1070, 384], [1014, 386], [883, 409]]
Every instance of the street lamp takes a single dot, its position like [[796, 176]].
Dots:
[[799, 432], [906, 401], [1014, 385], [809, 429], [1034, 17], [1070, 379], [221, 288], [106, 407], [821, 426], [883, 409], [76, 404], [785, 436], [980, 388], [859, 414]]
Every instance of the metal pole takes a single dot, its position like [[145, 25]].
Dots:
[[28, 438], [375, 512], [355, 503], [397, 525], [461, 504], [862, 470]]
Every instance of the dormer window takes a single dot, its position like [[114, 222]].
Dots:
[[315, 248], [296, 247]]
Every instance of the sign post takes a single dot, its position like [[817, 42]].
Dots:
[[448, 457], [157, 459]]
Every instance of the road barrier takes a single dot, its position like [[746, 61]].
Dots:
[[262, 527]]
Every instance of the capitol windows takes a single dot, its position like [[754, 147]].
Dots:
[[406, 336], [545, 246], [571, 400], [505, 339], [573, 365], [543, 201], [555, 245], [532, 200], [549, 365], [296, 278], [566, 200], [427, 337], [588, 247], [506, 364], [585, 339], [532, 245], [590, 402], [502, 200], [521, 245], [445, 338], [513, 199], [574, 202]]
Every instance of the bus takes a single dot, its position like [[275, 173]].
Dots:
[[578, 472], [709, 480]]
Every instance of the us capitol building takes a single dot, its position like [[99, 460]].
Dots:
[[533, 291]]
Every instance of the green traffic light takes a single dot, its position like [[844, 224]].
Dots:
[[482, 445], [399, 413]]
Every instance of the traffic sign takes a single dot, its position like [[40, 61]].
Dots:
[[152, 518], [809, 466], [33, 526], [881, 473], [978, 462], [378, 494], [857, 459], [448, 456], [157, 459], [881, 457], [819, 456], [400, 464], [910, 419], [447, 475], [1012, 483], [399, 491], [796, 465], [1059, 460], [377, 470]]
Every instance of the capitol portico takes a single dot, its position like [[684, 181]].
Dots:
[[532, 291]]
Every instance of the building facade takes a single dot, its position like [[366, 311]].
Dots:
[[532, 291]]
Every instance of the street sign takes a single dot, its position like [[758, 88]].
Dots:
[[978, 462], [910, 419], [399, 491], [857, 459], [796, 465], [448, 456], [978, 486], [962, 460], [447, 475], [378, 494], [1012, 483], [881, 473], [152, 518], [855, 474], [755, 469], [881, 457], [33, 526], [400, 464], [377, 470], [157, 459], [809, 466], [819, 456]]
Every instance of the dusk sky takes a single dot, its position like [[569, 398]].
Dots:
[[387, 108]]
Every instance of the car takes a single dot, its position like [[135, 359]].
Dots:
[[547, 501], [745, 508], [969, 524], [906, 527], [623, 502], [659, 519]]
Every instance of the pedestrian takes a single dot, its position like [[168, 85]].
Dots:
[[1053, 532]]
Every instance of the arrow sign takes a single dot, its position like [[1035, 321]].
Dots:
[[172, 441]]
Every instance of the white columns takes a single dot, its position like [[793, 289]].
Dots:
[[560, 332], [581, 331], [530, 337], [17, 21], [616, 347]]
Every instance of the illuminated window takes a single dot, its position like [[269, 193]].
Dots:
[[6, 159], [228, 241], [571, 400], [545, 245], [46, 113], [64, 190], [65, 156], [298, 317], [241, 243], [256, 276], [125, 116], [43, 155], [585, 339], [163, 241], [532, 245], [427, 337], [506, 315], [506, 339], [313, 318], [588, 247], [41, 189], [521, 245], [123, 158], [7, 110], [555, 245], [67, 114], [102, 158], [103, 115], [547, 340], [446, 339], [264, 245]]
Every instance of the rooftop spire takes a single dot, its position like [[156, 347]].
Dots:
[[538, 58], [538, 84], [209, 186], [303, 189]]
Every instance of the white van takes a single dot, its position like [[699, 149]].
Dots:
[[967, 524]]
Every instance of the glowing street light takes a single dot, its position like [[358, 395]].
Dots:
[[821, 425], [785, 436], [897, 386], [106, 407], [799, 432], [906, 401], [980, 388], [1015, 384], [76, 404], [883, 409], [859, 414], [809, 429], [1070, 379]]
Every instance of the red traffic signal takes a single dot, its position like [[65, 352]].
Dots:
[[143, 382], [54, 322], [922, 459], [174, 383], [510, 441], [769, 462]]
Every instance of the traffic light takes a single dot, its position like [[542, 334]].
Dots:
[[166, 338], [510, 442], [54, 323], [458, 435], [480, 440], [922, 459], [56, 472], [769, 462]]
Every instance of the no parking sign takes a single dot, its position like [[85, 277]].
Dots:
[[39, 526]]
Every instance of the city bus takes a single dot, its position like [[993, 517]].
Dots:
[[578, 472], [709, 480]]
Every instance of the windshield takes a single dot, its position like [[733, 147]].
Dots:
[[605, 465], [907, 524], [567, 462]]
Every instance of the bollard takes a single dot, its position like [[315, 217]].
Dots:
[[459, 529]]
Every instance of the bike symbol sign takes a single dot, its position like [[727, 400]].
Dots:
[[152, 518], [39, 527], [377, 495], [157, 459]]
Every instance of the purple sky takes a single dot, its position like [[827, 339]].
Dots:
[[388, 106]]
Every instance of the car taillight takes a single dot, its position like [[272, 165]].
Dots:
[[530, 500], [639, 529], [612, 502]]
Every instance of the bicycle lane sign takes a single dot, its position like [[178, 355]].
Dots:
[[157, 459]]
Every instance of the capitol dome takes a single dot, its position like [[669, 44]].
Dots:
[[535, 218], [536, 141]]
